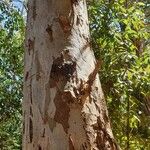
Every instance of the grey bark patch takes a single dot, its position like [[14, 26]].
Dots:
[[30, 130], [51, 123]]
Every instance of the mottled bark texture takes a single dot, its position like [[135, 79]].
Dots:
[[63, 106]]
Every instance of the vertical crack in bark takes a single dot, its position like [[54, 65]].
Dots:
[[30, 130], [23, 128], [26, 75], [50, 32], [30, 45], [39, 147], [31, 113], [38, 67], [34, 10], [30, 86], [78, 21], [43, 134]]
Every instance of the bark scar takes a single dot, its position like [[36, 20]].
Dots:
[[71, 144], [61, 70], [64, 23], [50, 32], [30, 130]]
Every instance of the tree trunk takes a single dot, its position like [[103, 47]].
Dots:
[[63, 106]]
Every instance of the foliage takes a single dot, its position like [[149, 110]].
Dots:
[[11, 50], [120, 41]]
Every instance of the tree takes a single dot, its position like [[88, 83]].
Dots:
[[63, 104], [11, 67]]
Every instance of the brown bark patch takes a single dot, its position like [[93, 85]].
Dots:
[[104, 140], [62, 111], [74, 2], [64, 23], [67, 96], [61, 70]]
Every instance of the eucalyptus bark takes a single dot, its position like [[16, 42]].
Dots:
[[63, 106]]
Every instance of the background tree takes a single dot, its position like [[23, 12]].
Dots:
[[11, 50]]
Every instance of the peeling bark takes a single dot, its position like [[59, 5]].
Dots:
[[64, 106]]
